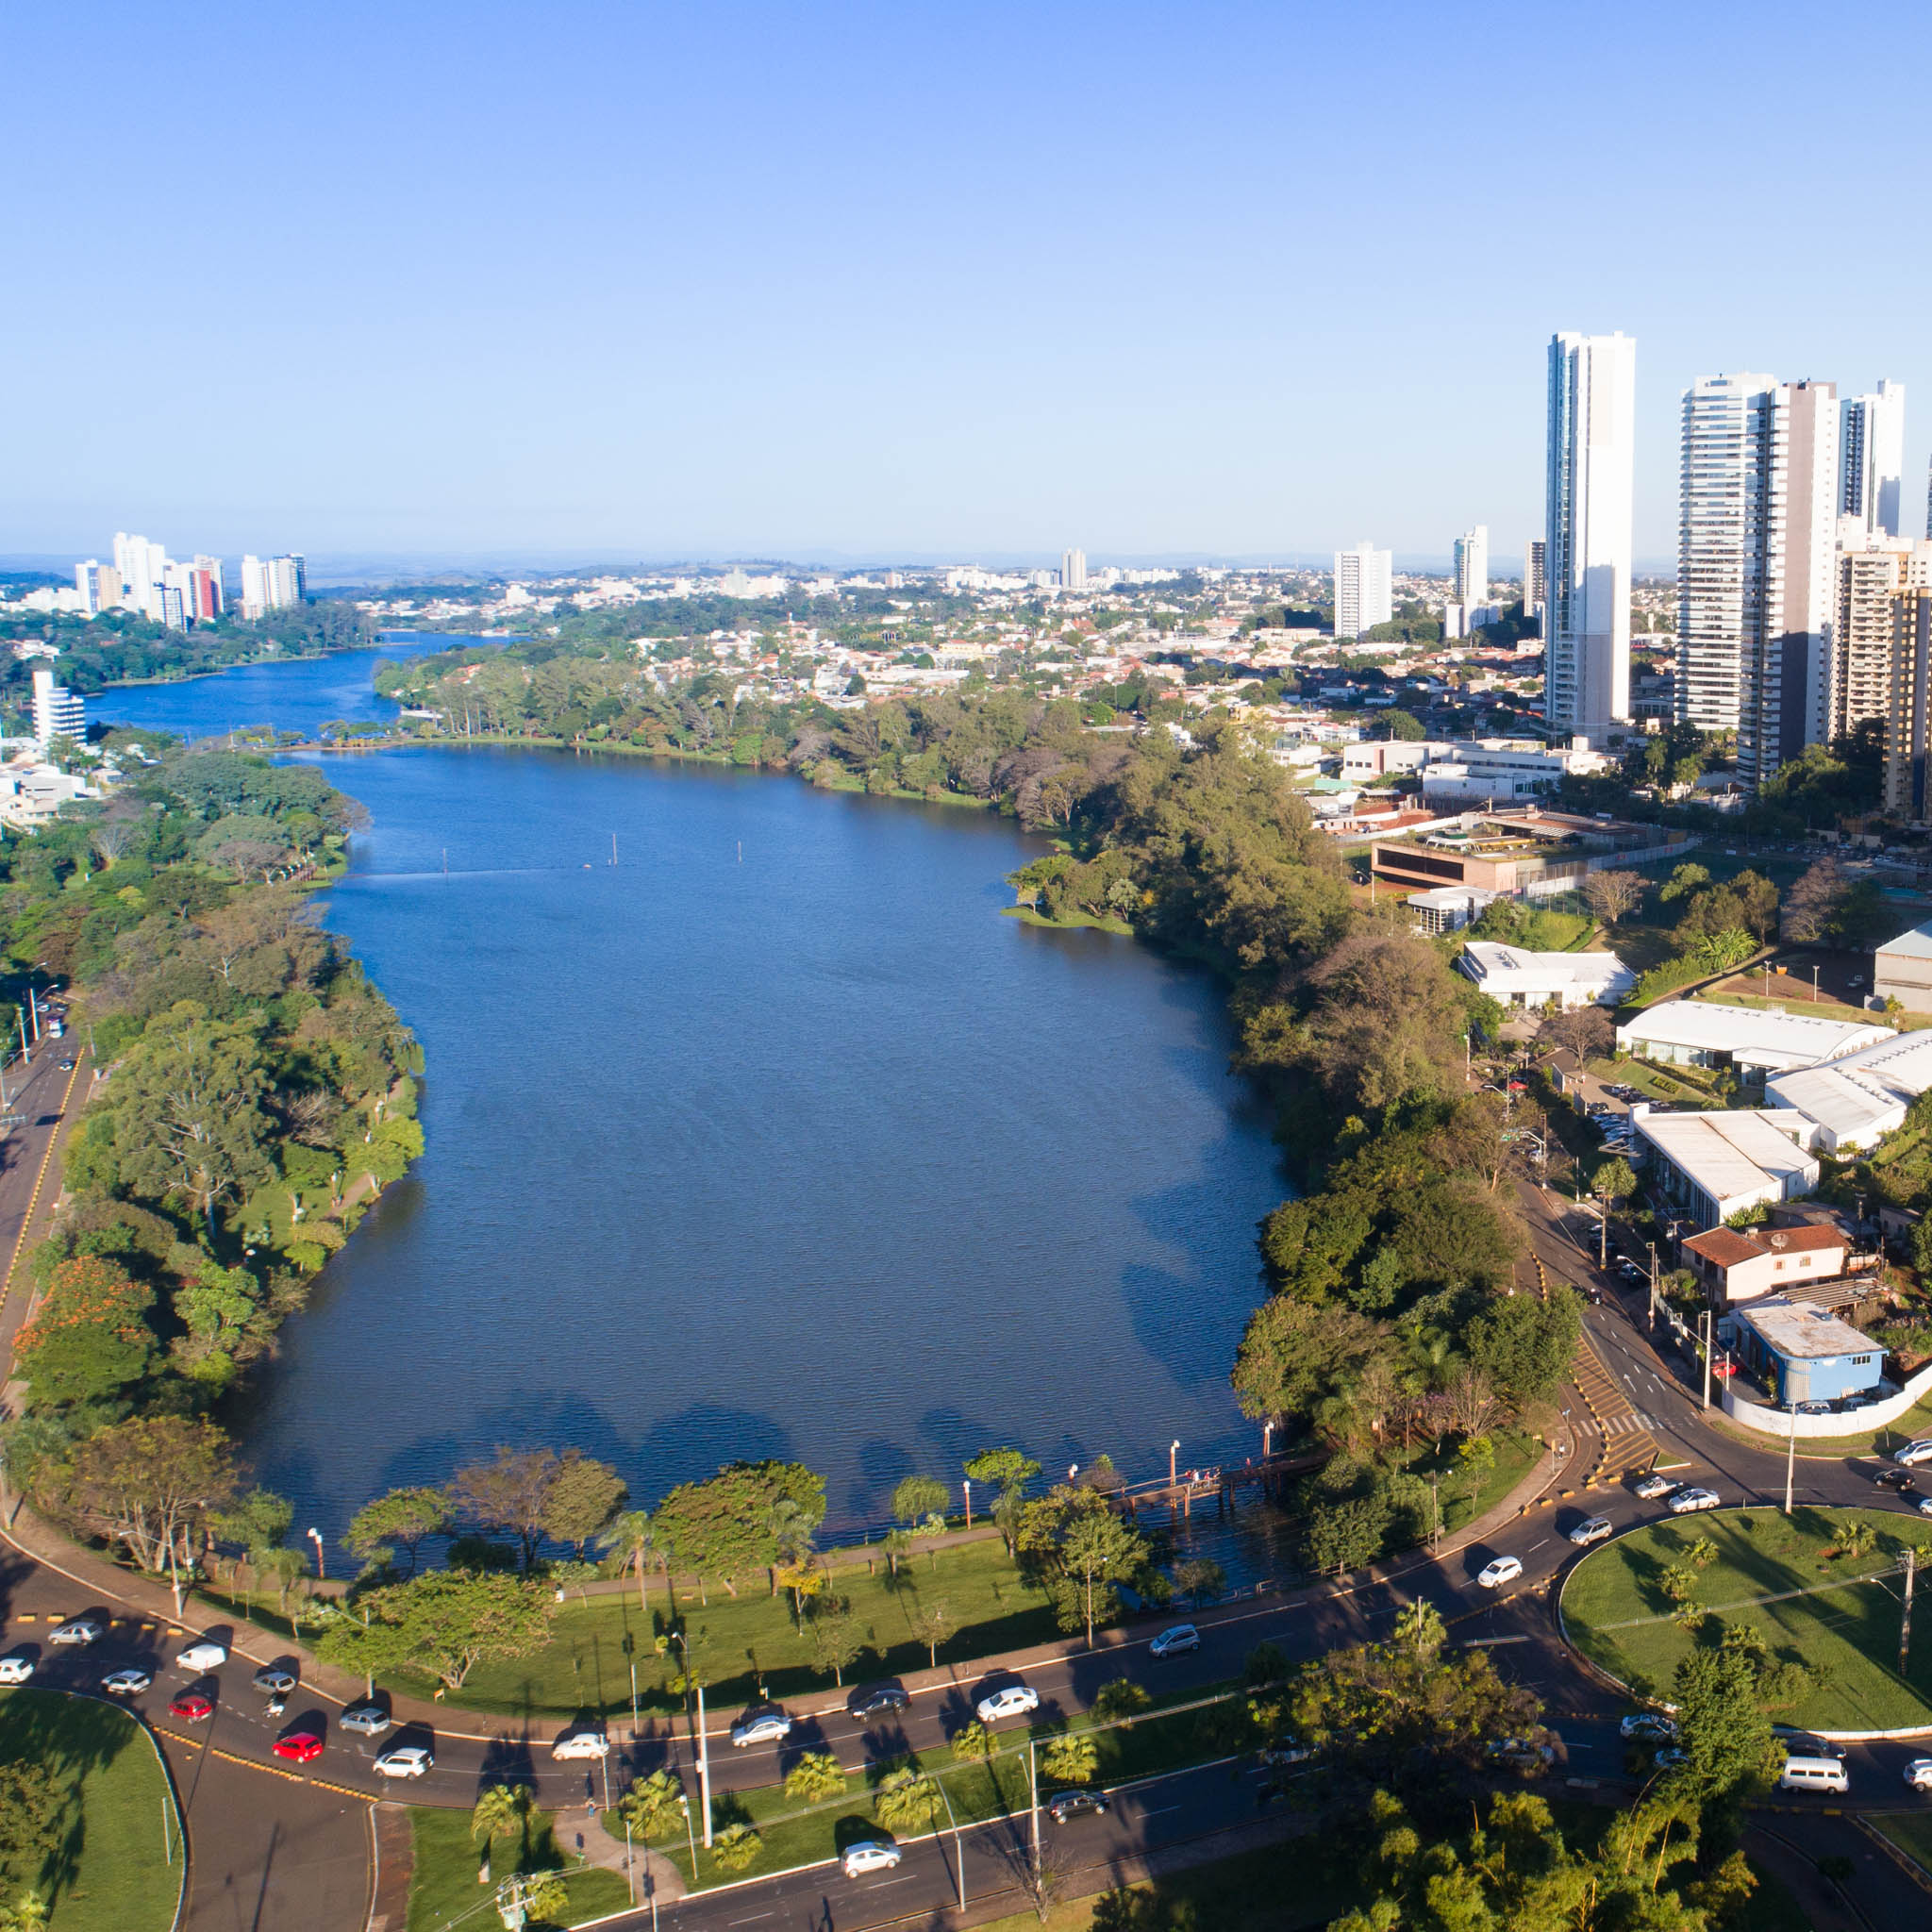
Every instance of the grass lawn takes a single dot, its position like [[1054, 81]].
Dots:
[[442, 1884], [1027, 915], [111, 1874], [1617, 1613], [1516, 1456], [1911, 1831]]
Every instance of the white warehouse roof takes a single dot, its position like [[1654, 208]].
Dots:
[[1901, 1063], [1753, 1037], [1506, 970], [1739, 1152], [1852, 1111]]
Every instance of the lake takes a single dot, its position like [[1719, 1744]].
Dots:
[[773, 1137]]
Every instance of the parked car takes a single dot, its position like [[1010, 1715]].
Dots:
[[1652, 1487], [274, 1680], [1593, 1530], [128, 1683], [1650, 1726], [1814, 1408], [16, 1669], [1914, 1454], [205, 1655], [299, 1747], [193, 1706], [405, 1761], [1010, 1700], [1065, 1805], [1862, 1398], [760, 1727], [368, 1719], [585, 1744], [1284, 1751], [1525, 1754], [1503, 1569], [1174, 1639], [1671, 1757], [1896, 1479], [1806, 1744], [1687, 1501], [868, 1855], [1918, 1774], [877, 1700], [78, 1630]]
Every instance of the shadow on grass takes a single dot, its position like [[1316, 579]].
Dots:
[[71, 1737]]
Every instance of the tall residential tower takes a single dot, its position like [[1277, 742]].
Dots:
[[1872, 441], [1363, 580], [1473, 568]]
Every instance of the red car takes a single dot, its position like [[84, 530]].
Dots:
[[191, 1703], [302, 1746]]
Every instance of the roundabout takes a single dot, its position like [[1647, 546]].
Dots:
[[1820, 1595]]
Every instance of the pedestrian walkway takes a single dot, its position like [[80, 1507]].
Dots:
[[1627, 1444]]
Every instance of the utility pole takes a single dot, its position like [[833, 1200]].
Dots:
[[1033, 1787], [1905, 1620], [1652, 1284], [1706, 1357], [959, 1849], [704, 1773], [1791, 1458]]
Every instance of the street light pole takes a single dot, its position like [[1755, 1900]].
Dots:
[[321, 1574], [967, 1486], [1706, 1357], [959, 1849], [1174, 1450], [1790, 1457]]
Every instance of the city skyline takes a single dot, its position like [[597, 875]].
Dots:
[[629, 325]]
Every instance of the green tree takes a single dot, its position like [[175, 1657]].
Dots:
[[1071, 1760], [1006, 1472], [654, 1806], [907, 1801], [736, 1847], [1074, 1531], [89, 1337], [932, 1623], [835, 1636], [33, 1799], [972, 1740], [151, 1483], [259, 1522], [635, 1533], [582, 1497], [1419, 1627], [1729, 1752], [1346, 1532], [918, 1498], [444, 1624], [724, 1528], [815, 1776], [400, 1519], [1612, 1180], [1119, 1697], [1525, 1346], [1293, 1354]]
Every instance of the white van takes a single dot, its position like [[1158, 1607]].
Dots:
[[1813, 1774]]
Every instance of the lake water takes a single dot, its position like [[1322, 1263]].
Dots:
[[771, 1138]]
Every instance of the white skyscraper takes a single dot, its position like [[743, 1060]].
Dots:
[[1472, 567], [1587, 533], [57, 712], [277, 583], [1073, 570], [1362, 580], [1871, 443], [1756, 584], [143, 570]]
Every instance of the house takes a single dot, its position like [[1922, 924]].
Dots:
[[1902, 970], [1714, 1165], [1734, 1266], [1449, 908], [1515, 977], [1801, 1352], [1699, 1033]]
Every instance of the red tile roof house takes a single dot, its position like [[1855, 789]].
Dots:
[[1733, 1267]]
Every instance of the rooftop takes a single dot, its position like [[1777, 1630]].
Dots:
[[1770, 1038], [1724, 1248], [1916, 945], [1800, 1332], [1734, 1152], [1850, 1106], [1901, 1063], [1489, 959]]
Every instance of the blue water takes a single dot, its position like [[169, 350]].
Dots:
[[773, 1138]]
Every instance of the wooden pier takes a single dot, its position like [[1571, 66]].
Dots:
[[1220, 1486]]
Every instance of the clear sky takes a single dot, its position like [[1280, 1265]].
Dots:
[[864, 280]]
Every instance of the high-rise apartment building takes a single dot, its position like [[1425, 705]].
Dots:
[[1757, 586], [99, 585], [1536, 589], [1073, 570], [278, 583], [57, 711], [142, 568], [1587, 533], [1871, 449], [1363, 581], [1472, 567], [1872, 570], [1908, 708]]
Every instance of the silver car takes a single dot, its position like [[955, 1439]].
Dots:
[[760, 1727], [1594, 1531], [369, 1719]]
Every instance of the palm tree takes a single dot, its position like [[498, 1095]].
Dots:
[[502, 1811], [634, 1533], [1419, 1627], [653, 1806]]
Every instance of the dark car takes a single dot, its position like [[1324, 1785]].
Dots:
[[876, 1700], [1808, 1744], [1895, 1479], [1065, 1805]]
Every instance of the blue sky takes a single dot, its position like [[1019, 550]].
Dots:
[[861, 280]]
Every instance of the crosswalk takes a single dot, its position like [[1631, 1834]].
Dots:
[[1627, 1443]]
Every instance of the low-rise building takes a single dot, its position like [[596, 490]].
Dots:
[[1713, 1165], [1515, 977], [1802, 1353], [1449, 908], [1902, 970], [1733, 1265], [1377, 757], [1507, 769], [1530, 852], [1755, 1040]]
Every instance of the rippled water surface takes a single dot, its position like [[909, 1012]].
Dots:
[[771, 1138]]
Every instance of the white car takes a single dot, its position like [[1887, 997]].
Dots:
[[1914, 1454], [129, 1683], [868, 1855], [581, 1744], [1173, 1640], [1013, 1700], [1652, 1487], [760, 1727], [81, 1630], [1503, 1570], [1650, 1726], [1924, 1506], [15, 1670], [1687, 1501], [202, 1656], [1594, 1531], [1918, 1774], [405, 1761]]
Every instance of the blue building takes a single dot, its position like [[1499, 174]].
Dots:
[[1801, 1352]]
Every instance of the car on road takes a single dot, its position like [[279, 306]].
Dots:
[[877, 1700], [299, 1747], [67, 1066], [1529, 1756], [16, 1669], [760, 1727], [1806, 1744], [1593, 1530], [1914, 1454], [78, 1630], [1650, 1726], [405, 1761], [1010, 1700], [1686, 1502], [1493, 1575], [1652, 1487], [1671, 1757], [1174, 1639], [202, 1656], [275, 1680], [193, 1704], [128, 1683], [1284, 1751], [868, 1855], [585, 1744], [1896, 1479], [1065, 1805], [1918, 1774], [367, 1720]]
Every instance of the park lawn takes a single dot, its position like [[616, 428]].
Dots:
[[1652, 1081], [744, 1641], [1028, 915], [1911, 1831], [111, 1874], [1615, 1611], [443, 1881], [1517, 1452]]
